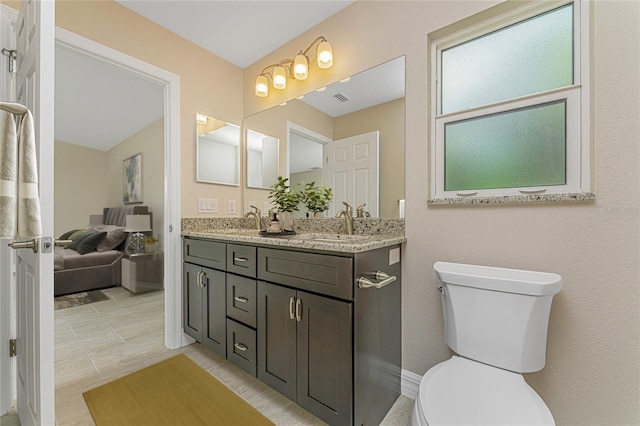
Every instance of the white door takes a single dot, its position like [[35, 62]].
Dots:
[[352, 172], [34, 271]]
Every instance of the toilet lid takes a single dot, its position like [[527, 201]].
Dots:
[[464, 392]]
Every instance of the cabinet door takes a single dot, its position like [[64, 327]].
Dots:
[[215, 319], [277, 338], [192, 301], [324, 351]]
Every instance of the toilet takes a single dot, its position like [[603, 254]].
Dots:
[[496, 322]]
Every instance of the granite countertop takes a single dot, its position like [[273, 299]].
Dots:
[[315, 241]]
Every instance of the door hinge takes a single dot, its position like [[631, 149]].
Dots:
[[12, 348], [13, 55]]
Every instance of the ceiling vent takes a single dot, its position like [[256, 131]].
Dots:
[[341, 97]]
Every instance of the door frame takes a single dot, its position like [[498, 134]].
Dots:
[[174, 337]]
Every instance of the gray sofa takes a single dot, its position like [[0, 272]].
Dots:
[[75, 272]]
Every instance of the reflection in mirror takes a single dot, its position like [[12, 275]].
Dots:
[[217, 151], [262, 160], [369, 105]]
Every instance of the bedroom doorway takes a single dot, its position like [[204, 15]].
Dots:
[[161, 182]]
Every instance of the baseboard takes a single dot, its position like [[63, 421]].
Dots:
[[409, 384]]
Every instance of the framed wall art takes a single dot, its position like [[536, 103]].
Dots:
[[132, 179]]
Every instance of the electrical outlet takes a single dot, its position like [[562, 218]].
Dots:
[[265, 207], [232, 207]]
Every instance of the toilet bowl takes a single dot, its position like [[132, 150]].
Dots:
[[496, 320], [460, 391]]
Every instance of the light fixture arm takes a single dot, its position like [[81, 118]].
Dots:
[[319, 39]]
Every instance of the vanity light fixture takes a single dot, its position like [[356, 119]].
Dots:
[[297, 68]]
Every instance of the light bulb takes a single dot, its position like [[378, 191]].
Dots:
[[301, 67], [279, 78], [324, 55], [262, 86]]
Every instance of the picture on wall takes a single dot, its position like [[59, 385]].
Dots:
[[132, 179]]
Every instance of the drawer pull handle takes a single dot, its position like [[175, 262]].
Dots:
[[298, 310], [291, 302], [240, 347], [240, 299], [382, 278], [240, 259]]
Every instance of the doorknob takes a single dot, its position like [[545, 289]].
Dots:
[[62, 243], [32, 244]]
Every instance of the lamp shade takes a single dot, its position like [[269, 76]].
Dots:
[[137, 223], [301, 67], [279, 78], [262, 86], [324, 55]]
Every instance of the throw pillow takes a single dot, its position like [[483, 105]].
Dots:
[[88, 242], [67, 234], [115, 236]]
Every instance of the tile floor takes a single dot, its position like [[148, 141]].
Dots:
[[102, 341]]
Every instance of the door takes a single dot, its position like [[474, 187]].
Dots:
[[34, 271], [325, 362], [192, 300], [214, 297], [352, 171], [277, 338]]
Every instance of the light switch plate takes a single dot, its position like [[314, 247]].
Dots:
[[232, 207]]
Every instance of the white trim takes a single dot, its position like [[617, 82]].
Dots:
[[296, 128], [173, 241], [409, 384]]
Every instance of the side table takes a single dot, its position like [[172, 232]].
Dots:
[[143, 272]]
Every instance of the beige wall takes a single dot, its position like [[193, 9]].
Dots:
[[80, 187], [150, 143], [593, 357], [388, 119], [208, 84], [87, 180]]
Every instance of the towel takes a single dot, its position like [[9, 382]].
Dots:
[[29, 219], [8, 175], [19, 201]]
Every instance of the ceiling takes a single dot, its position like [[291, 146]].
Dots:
[[100, 105]]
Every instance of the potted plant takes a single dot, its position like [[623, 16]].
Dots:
[[286, 200], [150, 244], [316, 198]]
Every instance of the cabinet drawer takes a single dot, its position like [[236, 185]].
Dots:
[[241, 299], [241, 346], [324, 274], [205, 253], [241, 260]]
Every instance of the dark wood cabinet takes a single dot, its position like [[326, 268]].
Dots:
[[301, 323], [204, 306]]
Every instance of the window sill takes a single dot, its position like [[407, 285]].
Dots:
[[509, 199]]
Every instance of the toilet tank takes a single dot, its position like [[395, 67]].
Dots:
[[497, 316]]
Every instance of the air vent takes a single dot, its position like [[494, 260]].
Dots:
[[341, 97]]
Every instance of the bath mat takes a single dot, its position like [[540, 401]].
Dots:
[[78, 299], [176, 391]]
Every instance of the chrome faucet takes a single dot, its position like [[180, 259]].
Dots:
[[361, 212], [347, 213], [257, 214]]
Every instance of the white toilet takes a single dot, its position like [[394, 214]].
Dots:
[[496, 321]]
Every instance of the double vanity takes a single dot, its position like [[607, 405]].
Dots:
[[315, 316]]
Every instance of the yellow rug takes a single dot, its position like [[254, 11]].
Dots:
[[174, 392]]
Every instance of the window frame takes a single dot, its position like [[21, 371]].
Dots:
[[578, 145]]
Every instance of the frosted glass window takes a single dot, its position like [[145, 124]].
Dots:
[[532, 56], [519, 148]]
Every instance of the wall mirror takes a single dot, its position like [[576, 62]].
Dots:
[[341, 121], [217, 151], [263, 162]]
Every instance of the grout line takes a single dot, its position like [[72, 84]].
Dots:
[[117, 334], [94, 366], [71, 328]]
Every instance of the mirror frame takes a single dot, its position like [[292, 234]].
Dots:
[[238, 154]]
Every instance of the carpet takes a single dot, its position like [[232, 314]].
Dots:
[[176, 391], [78, 299]]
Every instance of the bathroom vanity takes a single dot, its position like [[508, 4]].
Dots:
[[310, 315]]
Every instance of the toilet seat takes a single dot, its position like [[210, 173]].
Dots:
[[460, 391]]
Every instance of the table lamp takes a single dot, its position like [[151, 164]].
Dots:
[[136, 225]]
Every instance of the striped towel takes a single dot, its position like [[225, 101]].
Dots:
[[19, 200]]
